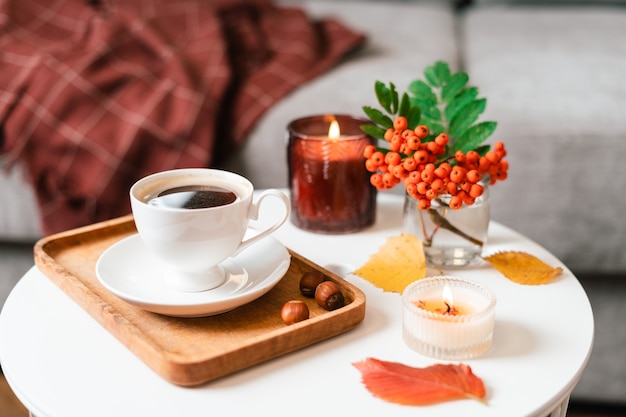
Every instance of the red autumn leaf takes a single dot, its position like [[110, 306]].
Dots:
[[401, 384]]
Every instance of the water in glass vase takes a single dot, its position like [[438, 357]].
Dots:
[[451, 238]]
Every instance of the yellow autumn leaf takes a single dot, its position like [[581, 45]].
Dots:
[[523, 268], [397, 263]]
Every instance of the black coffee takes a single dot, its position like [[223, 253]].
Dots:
[[194, 197]]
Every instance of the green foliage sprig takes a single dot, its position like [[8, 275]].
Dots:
[[443, 101]]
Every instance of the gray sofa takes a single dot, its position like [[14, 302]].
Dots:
[[554, 76]]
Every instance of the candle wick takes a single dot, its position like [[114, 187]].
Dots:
[[448, 307]]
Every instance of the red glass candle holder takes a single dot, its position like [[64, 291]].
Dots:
[[329, 185]]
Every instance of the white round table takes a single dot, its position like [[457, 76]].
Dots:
[[61, 363]]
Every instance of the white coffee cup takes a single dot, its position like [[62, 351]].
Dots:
[[194, 241]]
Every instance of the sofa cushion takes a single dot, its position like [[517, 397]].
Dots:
[[554, 80], [395, 52]]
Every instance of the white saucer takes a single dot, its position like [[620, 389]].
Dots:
[[134, 275]]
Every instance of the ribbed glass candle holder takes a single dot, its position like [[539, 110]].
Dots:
[[450, 327]]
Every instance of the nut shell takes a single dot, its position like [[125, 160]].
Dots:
[[309, 282], [294, 311], [329, 296]]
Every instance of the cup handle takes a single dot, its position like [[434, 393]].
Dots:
[[253, 214]]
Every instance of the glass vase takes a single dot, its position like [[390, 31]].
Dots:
[[451, 238]]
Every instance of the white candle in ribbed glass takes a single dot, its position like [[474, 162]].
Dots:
[[452, 327]]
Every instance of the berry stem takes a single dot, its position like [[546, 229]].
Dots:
[[441, 221]]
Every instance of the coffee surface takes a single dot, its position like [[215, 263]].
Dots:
[[194, 197]]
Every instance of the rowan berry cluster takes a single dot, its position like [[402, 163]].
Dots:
[[426, 169]]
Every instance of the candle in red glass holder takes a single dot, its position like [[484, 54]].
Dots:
[[329, 185]]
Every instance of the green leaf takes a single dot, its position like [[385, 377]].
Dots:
[[378, 117], [405, 105], [474, 136], [434, 126], [422, 92], [437, 74], [383, 95], [414, 117], [466, 117], [483, 149], [456, 82], [461, 100], [432, 113], [373, 131], [443, 72], [431, 76], [394, 98]]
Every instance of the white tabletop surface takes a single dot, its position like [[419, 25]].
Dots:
[[61, 363]]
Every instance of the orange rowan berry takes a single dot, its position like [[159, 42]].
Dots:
[[370, 165], [389, 180], [422, 187], [409, 164], [429, 168], [414, 177], [456, 202], [421, 131], [433, 147], [472, 157], [442, 139], [400, 123], [407, 133], [484, 164], [440, 172], [368, 151], [413, 143], [476, 190], [431, 194], [460, 156], [404, 149], [445, 166], [469, 200], [395, 143], [498, 146], [411, 188], [493, 169], [437, 185], [465, 185], [492, 157], [389, 134], [451, 188], [421, 156], [428, 176], [378, 158], [423, 204], [399, 171], [376, 180], [499, 175], [472, 176], [457, 174], [392, 158]]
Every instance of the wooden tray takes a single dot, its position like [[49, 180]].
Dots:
[[191, 351]]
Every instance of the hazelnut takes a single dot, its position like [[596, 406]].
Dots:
[[309, 282], [294, 311], [329, 296]]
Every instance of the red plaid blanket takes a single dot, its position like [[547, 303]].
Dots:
[[96, 94]]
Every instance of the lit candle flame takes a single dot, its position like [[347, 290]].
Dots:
[[447, 297], [333, 130]]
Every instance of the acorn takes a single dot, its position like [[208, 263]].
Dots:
[[309, 282], [294, 311], [329, 296]]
